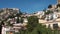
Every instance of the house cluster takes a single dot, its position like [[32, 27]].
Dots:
[[49, 17], [12, 20]]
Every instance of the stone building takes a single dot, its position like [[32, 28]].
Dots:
[[52, 20]]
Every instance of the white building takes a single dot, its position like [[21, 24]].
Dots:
[[5, 29]]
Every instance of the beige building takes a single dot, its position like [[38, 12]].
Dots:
[[56, 17]]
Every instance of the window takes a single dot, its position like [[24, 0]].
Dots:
[[51, 18], [55, 26]]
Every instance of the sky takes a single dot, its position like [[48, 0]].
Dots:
[[28, 6]]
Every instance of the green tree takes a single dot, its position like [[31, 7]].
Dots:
[[32, 22], [50, 6], [41, 29], [58, 5], [1, 11], [48, 12]]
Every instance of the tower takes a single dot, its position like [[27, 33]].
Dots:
[[58, 1]]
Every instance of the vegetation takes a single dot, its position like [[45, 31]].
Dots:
[[50, 6], [32, 23], [1, 11], [48, 12], [34, 27], [58, 5]]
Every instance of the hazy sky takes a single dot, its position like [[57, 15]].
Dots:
[[28, 6]]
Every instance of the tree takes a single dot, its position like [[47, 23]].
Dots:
[[19, 15], [48, 12], [58, 5], [2, 23], [33, 27], [1, 11], [41, 29], [50, 6], [32, 22]]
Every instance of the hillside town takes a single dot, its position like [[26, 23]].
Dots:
[[13, 20]]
